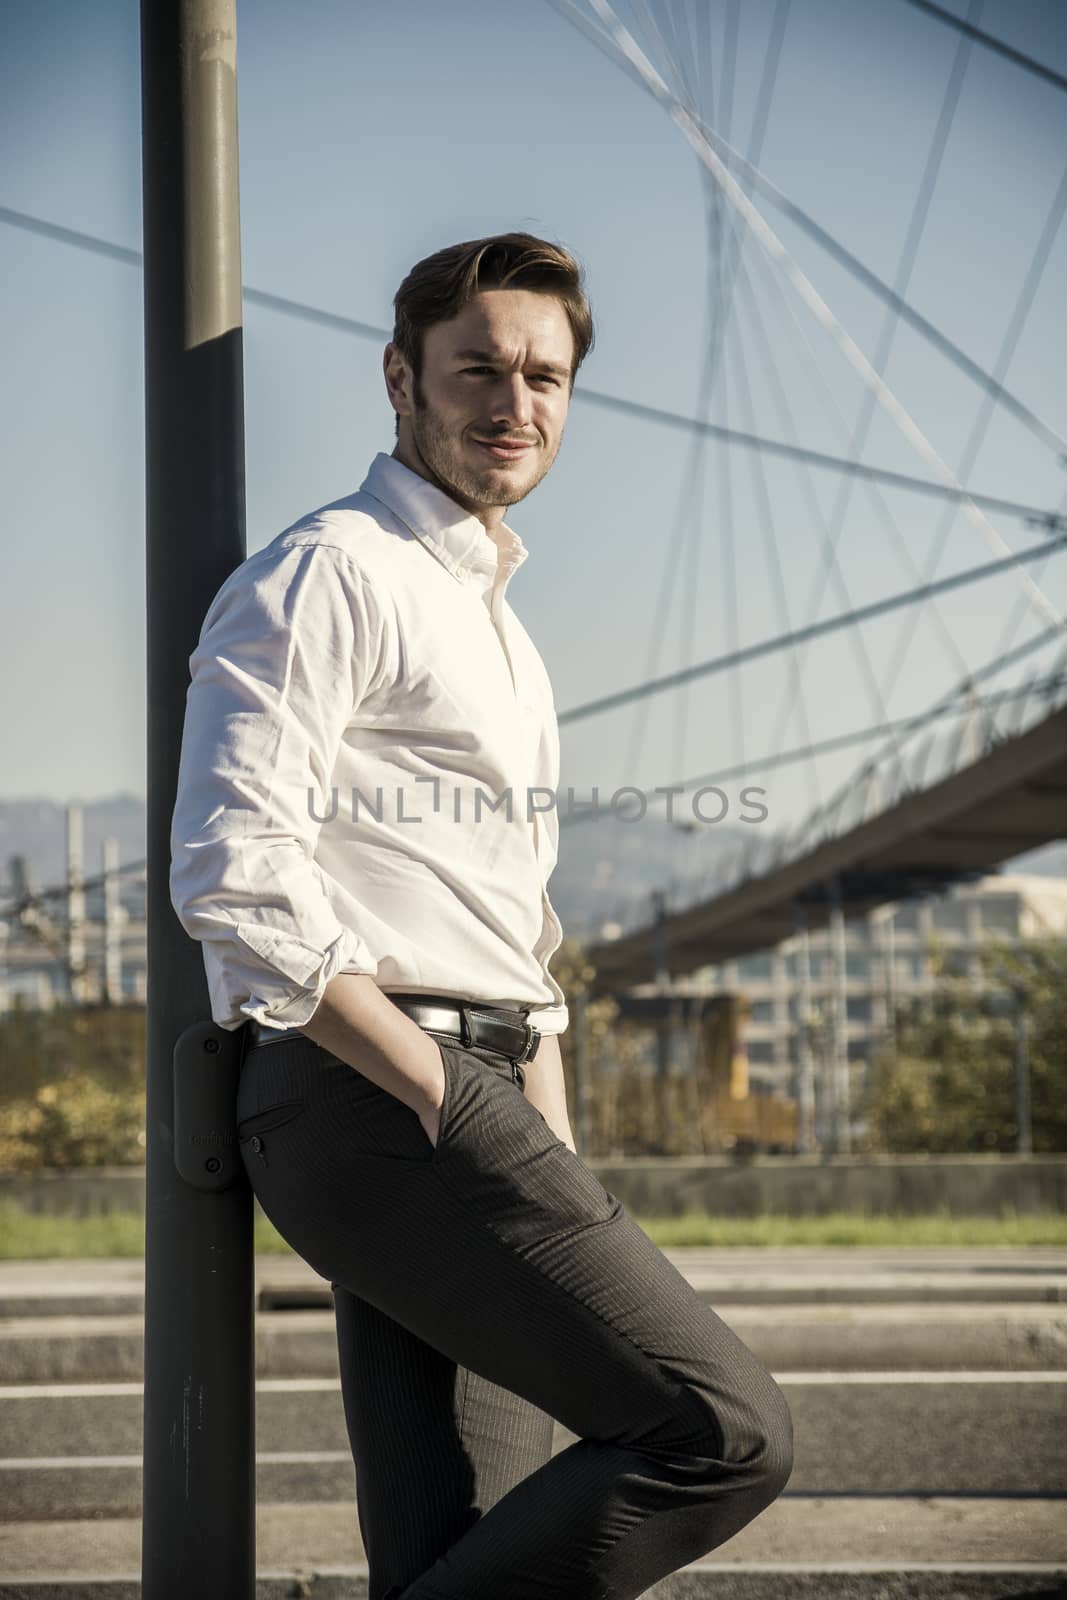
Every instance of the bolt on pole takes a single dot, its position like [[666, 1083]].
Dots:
[[198, 1536]]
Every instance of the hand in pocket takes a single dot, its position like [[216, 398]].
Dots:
[[430, 1116]]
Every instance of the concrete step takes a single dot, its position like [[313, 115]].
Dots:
[[795, 1276], [876, 1548], [854, 1338], [75, 1451]]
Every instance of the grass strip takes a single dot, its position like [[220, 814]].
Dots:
[[28, 1236]]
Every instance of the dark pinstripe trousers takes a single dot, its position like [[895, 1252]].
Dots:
[[482, 1288]]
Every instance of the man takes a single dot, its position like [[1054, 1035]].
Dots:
[[362, 844]]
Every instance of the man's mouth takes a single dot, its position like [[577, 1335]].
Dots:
[[504, 450]]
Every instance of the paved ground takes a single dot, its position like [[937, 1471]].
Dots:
[[742, 1275], [965, 1350], [875, 1531]]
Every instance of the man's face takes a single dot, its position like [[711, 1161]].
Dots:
[[496, 375]]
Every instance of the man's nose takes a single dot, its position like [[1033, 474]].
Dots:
[[512, 401]]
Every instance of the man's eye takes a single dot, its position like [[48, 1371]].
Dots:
[[538, 377]]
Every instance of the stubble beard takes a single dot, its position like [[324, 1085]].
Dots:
[[442, 451]]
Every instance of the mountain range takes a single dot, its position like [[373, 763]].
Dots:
[[607, 871]]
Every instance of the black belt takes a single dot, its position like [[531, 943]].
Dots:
[[470, 1022]]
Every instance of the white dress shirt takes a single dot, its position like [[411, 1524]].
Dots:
[[370, 648]]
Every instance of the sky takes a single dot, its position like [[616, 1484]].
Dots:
[[372, 135]]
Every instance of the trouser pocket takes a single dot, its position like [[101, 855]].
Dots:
[[496, 1152], [251, 1130], [358, 1120]]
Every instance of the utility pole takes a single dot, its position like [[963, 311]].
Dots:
[[111, 987], [198, 1528], [889, 948], [583, 1133], [839, 1098], [1024, 1137], [76, 973], [805, 1063], [665, 1026]]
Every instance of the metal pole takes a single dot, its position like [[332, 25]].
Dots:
[[839, 1012], [77, 975], [198, 1526], [806, 1064], [582, 1086], [665, 1025], [112, 965], [891, 976], [1025, 1141]]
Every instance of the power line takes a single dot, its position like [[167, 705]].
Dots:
[[766, 647], [672, 419], [1028, 63]]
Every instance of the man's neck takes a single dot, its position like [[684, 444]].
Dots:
[[491, 517]]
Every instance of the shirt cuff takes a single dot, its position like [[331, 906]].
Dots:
[[302, 964]]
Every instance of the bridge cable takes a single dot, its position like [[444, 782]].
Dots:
[[1009, 344], [841, 741], [1053, 440], [1020, 611], [988, 41], [748, 301], [806, 290], [349, 325], [719, 233], [773, 561], [905, 267], [862, 613], [832, 411]]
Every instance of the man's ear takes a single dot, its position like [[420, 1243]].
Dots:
[[397, 380]]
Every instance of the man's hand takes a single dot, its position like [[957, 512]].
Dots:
[[356, 1021], [545, 1087], [431, 1123]]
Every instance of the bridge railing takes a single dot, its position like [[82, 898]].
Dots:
[[979, 726]]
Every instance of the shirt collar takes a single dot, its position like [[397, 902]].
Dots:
[[456, 537]]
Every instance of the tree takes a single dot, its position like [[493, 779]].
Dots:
[[949, 1084]]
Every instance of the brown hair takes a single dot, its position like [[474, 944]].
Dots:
[[437, 288]]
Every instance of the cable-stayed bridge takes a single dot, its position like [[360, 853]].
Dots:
[[993, 789]]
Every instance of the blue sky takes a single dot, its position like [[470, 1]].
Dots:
[[373, 135]]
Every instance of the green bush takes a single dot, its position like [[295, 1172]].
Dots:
[[949, 1084], [72, 1088]]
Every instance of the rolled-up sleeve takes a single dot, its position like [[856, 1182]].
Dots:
[[282, 661]]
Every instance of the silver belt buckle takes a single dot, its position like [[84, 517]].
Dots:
[[527, 1051]]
